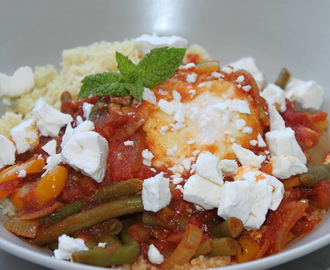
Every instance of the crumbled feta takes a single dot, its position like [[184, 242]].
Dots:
[[247, 88], [52, 162], [69, 131], [171, 152], [176, 95], [149, 96], [191, 141], [165, 106], [163, 129], [87, 151], [217, 75], [154, 255], [50, 147], [19, 83], [25, 136], [208, 167], [228, 166], [247, 130], [49, 120], [87, 108], [253, 142], [21, 174], [147, 157], [249, 64], [191, 78], [285, 166], [200, 191], [67, 245], [187, 163], [156, 193], [240, 79], [308, 93], [275, 119], [149, 42], [187, 66], [177, 126], [238, 105], [247, 157], [179, 112], [102, 245], [283, 142], [239, 123], [129, 143], [261, 142], [274, 94], [192, 92]]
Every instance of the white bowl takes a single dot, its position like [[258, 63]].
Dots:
[[280, 33]]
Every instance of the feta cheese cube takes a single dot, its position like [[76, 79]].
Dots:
[[49, 120], [228, 166], [156, 193], [208, 167], [285, 166], [154, 255], [308, 93], [165, 106], [87, 108], [50, 147], [276, 120], [87, 151], [274, 94], [149, 96], [283, 142], [247, 157], [200, 191], [21, 82], [67, 245], [25, 136], [191, 78], [82, 127], [250, 65]]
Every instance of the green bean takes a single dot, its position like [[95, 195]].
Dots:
[[204, 248], [151, 220], [52, 246], [63, 212], [110, 240], [89, 218], [225, 246], [283, 78], [113, 226], [108, 256], [118, 190], [314, 175], [231, 227], [121, 189]]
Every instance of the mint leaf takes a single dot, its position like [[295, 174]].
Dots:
[[92, 82], [159, 65], [155, 67]]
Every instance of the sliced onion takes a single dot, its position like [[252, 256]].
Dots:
[[26, 228]]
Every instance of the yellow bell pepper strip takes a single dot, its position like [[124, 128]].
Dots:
[[51, 185], [9, 180]]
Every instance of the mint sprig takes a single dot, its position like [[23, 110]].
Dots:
[[155, 67]]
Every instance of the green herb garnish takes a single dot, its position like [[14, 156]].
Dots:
[[156, 67]]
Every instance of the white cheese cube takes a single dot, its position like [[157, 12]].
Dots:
[[87, 151], [25, 136], [165, 106], [249, 64], [308, 93], [276, 120], [7, 153], [149, 96], [208, 167], [283, 142], [149, 42], [154, 255], [50, 147], [21, 82], [247, 157], [82, 127], [285, 166], [228, 166], [67, 245], [49, 120], [156, 193], [235, 200], [200, 191], [87, 108], [274, 94]]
